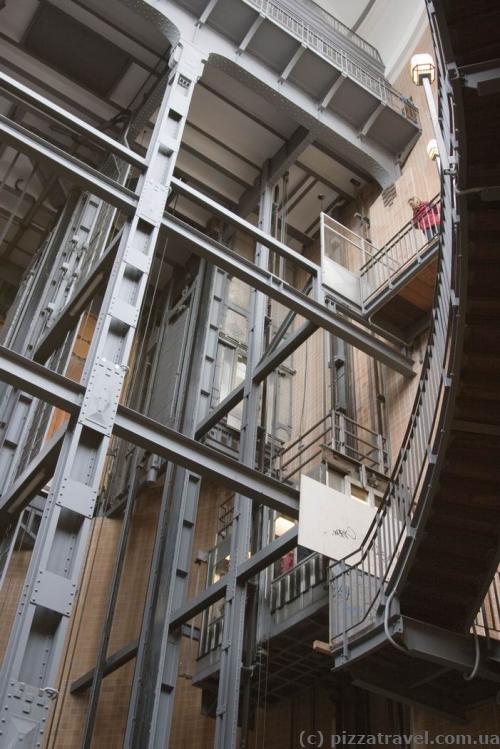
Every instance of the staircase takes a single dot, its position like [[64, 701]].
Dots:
[[404, 610]]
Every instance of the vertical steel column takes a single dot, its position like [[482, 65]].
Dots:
[[226, 727], [153, 689], [60, 269], [32, 658]]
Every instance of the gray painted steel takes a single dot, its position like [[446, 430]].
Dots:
[[228, 696], [37, 637]]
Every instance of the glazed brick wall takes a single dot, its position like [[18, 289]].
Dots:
[[10, 593], [84, 634]]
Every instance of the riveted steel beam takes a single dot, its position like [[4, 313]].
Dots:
[[274, 287], [91, 179], [204, 461], [140, 430], [35, 100]]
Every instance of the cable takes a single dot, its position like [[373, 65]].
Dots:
[[268, 650], [477, 660], [386, 623], [301, 427], [258, 699]]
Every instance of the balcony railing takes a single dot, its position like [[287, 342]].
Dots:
[[380, 268], [311, 8], [411, 243], [211, 635], [488, 619], [307, 574], [342, 434], [311, 37]]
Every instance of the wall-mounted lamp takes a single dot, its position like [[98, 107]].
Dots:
[[432, 149], [422, 68], [423, 73], [433, 153]]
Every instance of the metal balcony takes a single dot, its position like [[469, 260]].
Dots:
[[393, 284], [300, 44], [299, 588], [305, 17], [344, 436], [344, 49]]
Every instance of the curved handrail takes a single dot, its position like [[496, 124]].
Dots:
[[360, 581]]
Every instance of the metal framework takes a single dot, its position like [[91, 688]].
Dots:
[[74, 459]]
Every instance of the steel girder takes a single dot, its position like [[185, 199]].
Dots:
[[267, 365], [235, 599], [30, 668], [332, 320], [181, 616], [140, 430], [90, 179], [274, 287], [35, 100]]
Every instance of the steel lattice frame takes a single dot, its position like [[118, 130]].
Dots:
[[76, 457]]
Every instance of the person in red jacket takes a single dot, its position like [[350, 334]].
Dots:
[[425, 217]]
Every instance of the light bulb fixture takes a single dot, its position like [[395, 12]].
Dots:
[[422, 67], [432, 149]]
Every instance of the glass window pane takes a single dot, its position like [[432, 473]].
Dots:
[[238, 293], [235, 325], [226, 368]]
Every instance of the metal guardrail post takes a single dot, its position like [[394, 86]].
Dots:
[[342, 446], [381, 453]]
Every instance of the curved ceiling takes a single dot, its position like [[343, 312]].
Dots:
[[389, 25]]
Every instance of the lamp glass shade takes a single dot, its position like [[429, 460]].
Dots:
[[432, 149], [422, 66]]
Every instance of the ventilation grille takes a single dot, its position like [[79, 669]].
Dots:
[[389, 195]]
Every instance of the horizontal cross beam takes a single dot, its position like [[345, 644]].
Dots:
[[42, 104], [137, 429], [90, 179], [253, 231], [245, 571], [267, 365], [260, 560], [274, 287], [34, 477], [205, 461], [120, 658], [39, 381]]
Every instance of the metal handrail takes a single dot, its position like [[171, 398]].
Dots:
[[343, 434], [310, 8], [410, 243], [360, 581], [306, 574], [488, 619], [379, 267], [282, 15]]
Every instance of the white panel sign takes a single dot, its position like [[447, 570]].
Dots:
[[330, 522]]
